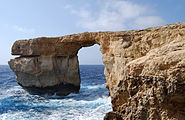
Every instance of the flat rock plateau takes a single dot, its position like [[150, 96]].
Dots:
[[144, 69]]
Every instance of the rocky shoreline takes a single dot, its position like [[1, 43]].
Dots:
[[144, 69]]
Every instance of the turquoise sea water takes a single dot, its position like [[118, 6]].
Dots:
[[91, 103]]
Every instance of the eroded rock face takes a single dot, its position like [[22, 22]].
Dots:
[[47, 74], [144, 69]]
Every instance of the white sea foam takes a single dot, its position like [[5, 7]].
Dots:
[[95, 86], [82, 110], [69, 108], [91, 103], [65, 110], [11, 91]]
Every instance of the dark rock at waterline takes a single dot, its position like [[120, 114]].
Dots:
[[59, 90], [112, 116]]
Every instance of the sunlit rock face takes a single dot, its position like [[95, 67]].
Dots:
[[144, 69], [47, 74]]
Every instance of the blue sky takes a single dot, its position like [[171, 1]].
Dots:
[[24, 19]]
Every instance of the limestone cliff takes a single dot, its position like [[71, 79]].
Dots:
[[144, 69]]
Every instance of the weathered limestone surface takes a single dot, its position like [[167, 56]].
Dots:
[[47, 74], [144, 69]]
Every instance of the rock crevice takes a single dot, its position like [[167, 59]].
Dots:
[[144, 69]]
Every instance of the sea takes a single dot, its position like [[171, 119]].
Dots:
[[91, 103]]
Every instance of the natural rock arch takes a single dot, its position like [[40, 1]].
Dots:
[[49, 65], [144, 69]]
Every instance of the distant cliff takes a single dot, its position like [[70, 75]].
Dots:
[[144, 69]]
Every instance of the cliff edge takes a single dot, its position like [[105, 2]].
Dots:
[[144, 69]]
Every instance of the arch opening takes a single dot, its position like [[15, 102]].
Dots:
[[90, 55], [93, 83], [92, 72]]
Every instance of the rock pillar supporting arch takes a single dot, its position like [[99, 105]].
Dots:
[[48, 74], [144, 69]]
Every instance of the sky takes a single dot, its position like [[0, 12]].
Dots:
[[24, 19]]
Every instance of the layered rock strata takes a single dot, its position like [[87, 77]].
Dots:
[[144, 69], [47, 74]]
